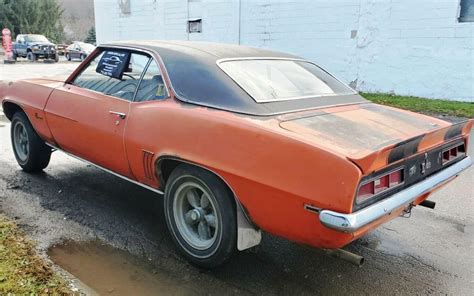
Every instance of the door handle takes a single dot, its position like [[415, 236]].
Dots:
[[119, 114]]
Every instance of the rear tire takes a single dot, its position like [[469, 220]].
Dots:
[[201, 216], [56, 58], [68, 57], [30, 151]]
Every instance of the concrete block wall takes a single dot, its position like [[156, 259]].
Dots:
[[407, 47]]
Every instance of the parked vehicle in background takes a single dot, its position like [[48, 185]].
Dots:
[[78, 50], [61, 49], [238, 140], [33, 47]]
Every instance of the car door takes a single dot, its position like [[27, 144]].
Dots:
[[76, 51], [21, 46], [72, 51], [149, 101], [88, 116]]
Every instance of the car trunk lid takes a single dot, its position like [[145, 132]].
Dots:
[[370, 135]]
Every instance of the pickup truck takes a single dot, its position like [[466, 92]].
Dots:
[[33, 47]]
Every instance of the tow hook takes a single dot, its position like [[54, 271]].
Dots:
[[407, 211]]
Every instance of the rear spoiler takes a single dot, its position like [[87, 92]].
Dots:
[[393, 153]]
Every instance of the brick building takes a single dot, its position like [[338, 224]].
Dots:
[[408, 47]]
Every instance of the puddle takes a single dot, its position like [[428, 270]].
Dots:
[[109, 271]]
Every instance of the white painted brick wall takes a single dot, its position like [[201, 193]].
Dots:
[[407, 47]]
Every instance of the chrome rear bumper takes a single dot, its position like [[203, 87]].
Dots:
[[354, 221]]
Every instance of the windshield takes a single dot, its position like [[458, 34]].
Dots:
[[268, 80], [35, 38]]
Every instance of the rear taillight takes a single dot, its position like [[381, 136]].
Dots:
[[379, 184], [453, 153]]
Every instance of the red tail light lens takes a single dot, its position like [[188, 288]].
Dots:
[[396, 178], [366, 191], [378, 185], [453, 153]]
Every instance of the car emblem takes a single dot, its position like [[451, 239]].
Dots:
[[425, 165], [412, 171]]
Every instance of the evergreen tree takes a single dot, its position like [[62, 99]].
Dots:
[[32, 17], [91, 38]]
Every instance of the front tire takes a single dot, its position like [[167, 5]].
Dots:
[[68, 57], [31, 56], [201, 216], [56, 58], [30, 151]]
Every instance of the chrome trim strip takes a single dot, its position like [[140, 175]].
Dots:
[[108, 171], [354, 221]]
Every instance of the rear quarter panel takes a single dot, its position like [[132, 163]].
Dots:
[[272, 174]]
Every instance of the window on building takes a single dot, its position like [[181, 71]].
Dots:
[[125, 8], [467, 11], [195, 26]]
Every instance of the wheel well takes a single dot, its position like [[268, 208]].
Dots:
[[166, 166], [248, 233], [9, 109]]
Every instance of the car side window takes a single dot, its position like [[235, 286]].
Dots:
[[152, 87], [122, 86]]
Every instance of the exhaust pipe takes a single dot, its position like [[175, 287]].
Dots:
[[428, 203], [346, 256]]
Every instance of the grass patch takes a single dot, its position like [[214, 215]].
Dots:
[[22, 270], [422, 105]]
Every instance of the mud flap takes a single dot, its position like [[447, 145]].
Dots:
[[247, 234]]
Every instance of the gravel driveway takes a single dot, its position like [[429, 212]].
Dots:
[[430, 253]]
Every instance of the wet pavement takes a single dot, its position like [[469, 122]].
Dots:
[[430, 253], [109, 271]]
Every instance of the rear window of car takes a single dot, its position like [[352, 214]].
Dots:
[[271, 80]]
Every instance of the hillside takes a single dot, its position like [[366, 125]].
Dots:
[[78, 18]]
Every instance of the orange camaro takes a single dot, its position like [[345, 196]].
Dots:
[[238, 140]]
